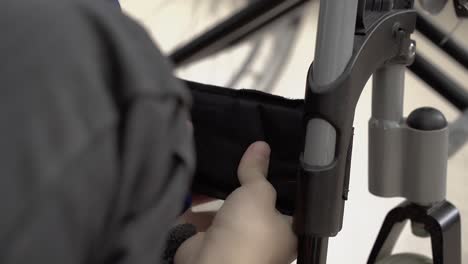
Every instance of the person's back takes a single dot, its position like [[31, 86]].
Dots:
[[94, 151]]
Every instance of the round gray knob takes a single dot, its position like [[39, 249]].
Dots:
[[427, 119]]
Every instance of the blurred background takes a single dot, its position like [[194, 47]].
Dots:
[[277, 61]]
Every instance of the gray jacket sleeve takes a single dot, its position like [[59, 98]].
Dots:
[[95, 154]]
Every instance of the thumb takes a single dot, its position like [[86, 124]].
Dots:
[[253, 166], [190, 249]]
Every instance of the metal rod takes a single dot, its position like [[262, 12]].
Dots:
[[317, 244], [387, 93], [385, 155], [334, 47], [437, 36], [440, 82], [239, 26], [335, 39]]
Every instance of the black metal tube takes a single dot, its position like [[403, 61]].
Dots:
[[437, 36], [440, 82], [312, 250], [247, 21]]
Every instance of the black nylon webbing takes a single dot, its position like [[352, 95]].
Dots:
[[227, 121]]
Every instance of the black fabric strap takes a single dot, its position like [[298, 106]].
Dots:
[[227, 121]]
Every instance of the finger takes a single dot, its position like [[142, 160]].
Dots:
[[252, 173], [253, 166]]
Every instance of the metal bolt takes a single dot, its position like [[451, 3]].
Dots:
[[412, 50], [396, 30]]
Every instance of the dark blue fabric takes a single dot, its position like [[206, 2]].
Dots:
[[115, 2]]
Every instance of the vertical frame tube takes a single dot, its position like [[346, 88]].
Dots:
[[334, 48]]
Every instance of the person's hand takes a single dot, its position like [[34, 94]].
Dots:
[[247, 228]]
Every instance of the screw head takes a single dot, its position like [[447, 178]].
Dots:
[[412, 50]]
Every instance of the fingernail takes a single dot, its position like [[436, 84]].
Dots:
[[261, 148]]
